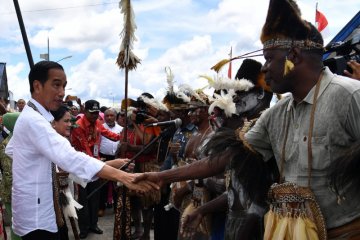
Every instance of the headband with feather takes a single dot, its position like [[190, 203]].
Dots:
[[284, 27]]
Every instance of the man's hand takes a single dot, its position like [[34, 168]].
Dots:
[[140, 187], [78, 101], [355, 70], [179, 191], [153, 177], [190, 223]]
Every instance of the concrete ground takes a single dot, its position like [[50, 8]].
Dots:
[[106, 223]]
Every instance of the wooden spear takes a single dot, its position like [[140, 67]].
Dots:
[[126, 58], [128, 61]]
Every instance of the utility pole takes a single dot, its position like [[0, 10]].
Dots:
[[46, 56]]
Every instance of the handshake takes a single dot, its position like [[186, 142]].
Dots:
[[139, 183]]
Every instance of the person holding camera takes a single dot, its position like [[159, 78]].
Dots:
[[146, 112], [355, 66]]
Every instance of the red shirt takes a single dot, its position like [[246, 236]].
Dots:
[[86, 137]]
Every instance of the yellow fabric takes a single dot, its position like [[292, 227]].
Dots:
[[279, 227], [294, 214]]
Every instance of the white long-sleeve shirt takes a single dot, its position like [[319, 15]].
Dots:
[[108, 146], [34, 145]]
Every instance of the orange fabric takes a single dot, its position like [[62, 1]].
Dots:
[[153, 130], [135, 140]]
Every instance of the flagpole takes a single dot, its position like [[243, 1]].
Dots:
[[230, 64], [316, 7]]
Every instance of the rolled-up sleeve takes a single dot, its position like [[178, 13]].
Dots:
[[59, 150]]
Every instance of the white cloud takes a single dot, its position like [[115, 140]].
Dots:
[[189, 36], [18, 85]]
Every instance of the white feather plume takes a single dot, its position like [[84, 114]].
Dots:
[[126, 57], [128, 32], [224, 102], [187, 88], [169, 79], [237, 85], [70, 209], [130, 111], [183, 96], [155, 103]]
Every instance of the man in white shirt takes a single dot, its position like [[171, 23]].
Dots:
[[107, 151], [20, 104], [107, 146], [35, 145]]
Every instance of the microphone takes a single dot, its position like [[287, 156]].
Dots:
[[176, 122]]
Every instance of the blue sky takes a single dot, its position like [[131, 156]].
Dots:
[[189, 36]]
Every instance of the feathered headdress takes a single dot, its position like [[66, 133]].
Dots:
[[248, 76], [251, 70], [197, 98], [172, 99], [154, 103], [225, 102], [226, 83], [126, 57], [132, 106], [284, 28]]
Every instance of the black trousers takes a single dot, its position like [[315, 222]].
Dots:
[[88, 215], [41, 234], [166, 223]]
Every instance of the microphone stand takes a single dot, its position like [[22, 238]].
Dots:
[[123, 167]]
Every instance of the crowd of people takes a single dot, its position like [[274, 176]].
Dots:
[[192, 165]]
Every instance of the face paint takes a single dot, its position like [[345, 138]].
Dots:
[[216, 119], [246, 101]]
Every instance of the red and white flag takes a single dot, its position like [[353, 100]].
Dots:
[[321, 21]]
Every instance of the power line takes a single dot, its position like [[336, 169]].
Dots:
[[63, 8]]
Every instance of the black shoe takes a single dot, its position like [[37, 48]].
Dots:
[[83, 235], [96, 230]]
